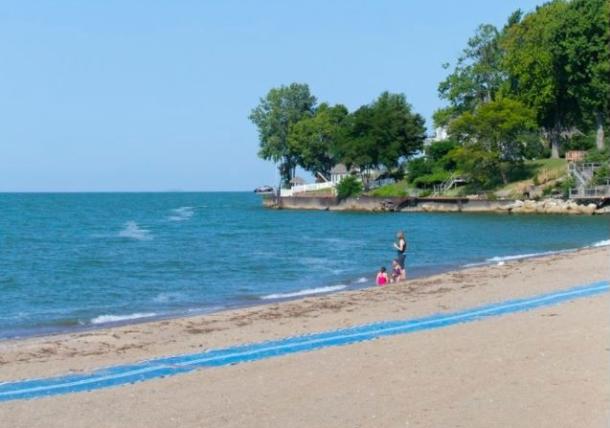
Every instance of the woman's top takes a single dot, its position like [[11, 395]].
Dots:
[[402, 246]]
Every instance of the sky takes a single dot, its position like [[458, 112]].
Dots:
[[125, 95]]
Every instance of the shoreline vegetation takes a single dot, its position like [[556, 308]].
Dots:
[[525, 117], [447, 292]]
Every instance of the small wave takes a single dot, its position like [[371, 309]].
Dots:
[[500, 260], [361, 280], [103, 319], [206, 310], [167, 297], [133, 231], [306, 292], [181, 214], [604, 243]]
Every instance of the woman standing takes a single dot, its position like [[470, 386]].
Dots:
[[401, 247]]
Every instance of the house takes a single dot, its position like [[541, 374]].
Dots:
[[338, 173], [440, 134], [297, 181]]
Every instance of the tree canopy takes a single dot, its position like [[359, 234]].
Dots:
[[314, 139], [293, 132], [523, 91], [274, 116]]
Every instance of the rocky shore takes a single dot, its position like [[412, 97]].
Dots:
[[377, 204]]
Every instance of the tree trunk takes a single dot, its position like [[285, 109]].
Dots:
[[504, 176], [555, 140], [599, 138]]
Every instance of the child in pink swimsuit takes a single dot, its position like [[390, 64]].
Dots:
[[382, 277]]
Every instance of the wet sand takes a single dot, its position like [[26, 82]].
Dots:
[[545, 367]]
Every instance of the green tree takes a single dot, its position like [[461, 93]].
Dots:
[[537, 69], [500, 128], [477, 75], [586, 47], [383, 133], [274, 116], [315, 139]]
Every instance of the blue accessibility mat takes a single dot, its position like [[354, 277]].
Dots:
[[169, 366]]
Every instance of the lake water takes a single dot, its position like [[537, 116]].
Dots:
[[70, 261]]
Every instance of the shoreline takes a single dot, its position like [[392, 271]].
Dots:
[[366, 203], [351, 285], [142, 340], [544, 366]]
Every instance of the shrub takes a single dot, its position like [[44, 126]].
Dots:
[[436, 177], [418, 167], [595, 155], [566, 185], [349, 186], [579, 142], [436, 151], [601, 175]]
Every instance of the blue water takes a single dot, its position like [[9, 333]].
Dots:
[[76, 260]]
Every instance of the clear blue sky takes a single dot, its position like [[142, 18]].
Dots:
[[121, 95]]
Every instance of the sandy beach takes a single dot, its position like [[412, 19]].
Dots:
[[544, 367]]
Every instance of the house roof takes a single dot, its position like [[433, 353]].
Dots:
[[339, 169], [297, 181]]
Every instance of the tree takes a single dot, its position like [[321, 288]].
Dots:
[[586, 46], [314, 139], [383, 133], [477, 75], [275, 114], [500, 128], [537, 69], [442, 116]]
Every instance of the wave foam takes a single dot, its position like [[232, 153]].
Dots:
[[502, 259], [167, 297], [306, 292], [604, 243], [181, 214], [361, 280], [499, 259], [133, 231], [103, 319]]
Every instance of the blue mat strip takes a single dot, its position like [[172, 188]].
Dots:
[[169, 366]]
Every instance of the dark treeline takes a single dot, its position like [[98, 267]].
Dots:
[[534, 88]]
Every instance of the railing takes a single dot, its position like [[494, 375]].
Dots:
[[590, 192], [378, 183], [448, 184], [583, 172], [306, 188]]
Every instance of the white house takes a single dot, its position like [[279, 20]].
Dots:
[[440, 134], [338, 173]]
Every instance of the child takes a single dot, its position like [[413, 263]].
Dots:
[[382, 277], [396, 271]]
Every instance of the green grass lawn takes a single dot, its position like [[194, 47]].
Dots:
[[398, 189], [535, 173]]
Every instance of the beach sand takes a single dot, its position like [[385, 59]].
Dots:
[[543, 368]]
